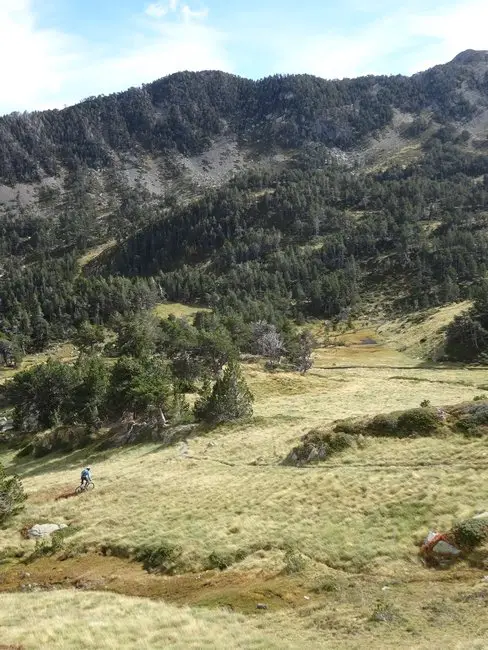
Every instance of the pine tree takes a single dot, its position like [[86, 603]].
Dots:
[[299, 351], [230, 398]]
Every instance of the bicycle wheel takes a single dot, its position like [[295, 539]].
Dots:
[[79, 489], [90, 485]]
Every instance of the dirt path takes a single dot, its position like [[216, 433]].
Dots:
[[235, 590]]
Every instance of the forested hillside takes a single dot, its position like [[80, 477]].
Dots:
[[185, 111], [378, 187]]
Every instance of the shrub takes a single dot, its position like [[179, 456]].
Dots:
[[294, 561], [346, 426], [220, 560], [319, 444], [479, 413], [425, 403], [162, 559], [326, 586], [53, 544], [12, 495], [383, 425], [470, 534], [473, 419], [420, 421], [383, 612]]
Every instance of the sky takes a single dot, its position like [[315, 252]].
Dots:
[[57, 52]]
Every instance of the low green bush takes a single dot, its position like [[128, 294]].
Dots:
[[12, 495], [318, 444], [223, 560], [52, 544], [382, 425], [294, 562], [346, 426], [421, 421], [470, 534], [163, 558]]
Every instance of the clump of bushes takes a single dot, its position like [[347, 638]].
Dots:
[[468, 535], [223, 560], [383, 425], [473, 419], [12, 495], [319, 444], [163, 558], [61, 439], [53, 544], [422, 421]]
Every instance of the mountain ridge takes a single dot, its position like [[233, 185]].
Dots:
[[183, 113]]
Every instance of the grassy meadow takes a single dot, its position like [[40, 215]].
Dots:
[[330, 548]]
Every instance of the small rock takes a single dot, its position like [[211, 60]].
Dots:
[[43, 530], [307, 597], [261, 606]]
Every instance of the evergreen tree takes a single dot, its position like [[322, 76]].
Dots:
[[230, 398], [138, 385], [299, 351], [89, 338]]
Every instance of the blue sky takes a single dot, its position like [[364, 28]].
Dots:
[[57, 52]]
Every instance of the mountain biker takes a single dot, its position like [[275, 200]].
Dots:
[[85, 476]]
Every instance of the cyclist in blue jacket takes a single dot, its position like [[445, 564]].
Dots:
[[85, 476]]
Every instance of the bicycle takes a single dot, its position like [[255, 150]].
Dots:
[[85, 487]]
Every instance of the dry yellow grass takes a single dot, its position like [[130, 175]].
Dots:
[[67, 619], [94, 252], [60, 352], [421, 334], [355, 518], [179, 310]]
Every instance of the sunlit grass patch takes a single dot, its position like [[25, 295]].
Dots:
[[165, 309]]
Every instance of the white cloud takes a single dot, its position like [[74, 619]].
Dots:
[[160, 9], [190, 14], [35, 61], [45, 68], [404, 41]]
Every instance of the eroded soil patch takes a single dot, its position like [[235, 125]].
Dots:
[[236, 590]]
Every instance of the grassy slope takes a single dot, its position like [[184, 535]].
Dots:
[[355, 518], [177, 309]]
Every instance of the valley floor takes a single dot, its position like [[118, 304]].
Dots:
[[331, 550]]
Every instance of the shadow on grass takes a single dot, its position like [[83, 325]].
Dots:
[[203, 430], [58, 462], [28, 466]]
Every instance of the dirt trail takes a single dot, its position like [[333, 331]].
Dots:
[[235, 590]]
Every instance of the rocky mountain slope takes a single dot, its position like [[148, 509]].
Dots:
[[203, 127]]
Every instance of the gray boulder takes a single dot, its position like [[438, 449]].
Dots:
[[43, 530]]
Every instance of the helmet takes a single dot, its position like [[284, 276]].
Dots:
[[88, 468]]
